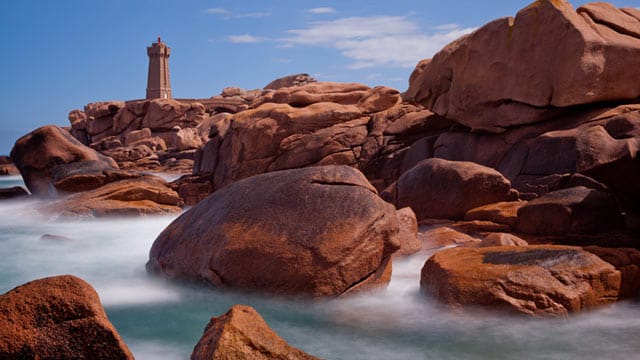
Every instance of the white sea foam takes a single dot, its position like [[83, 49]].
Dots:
[[160, 320]]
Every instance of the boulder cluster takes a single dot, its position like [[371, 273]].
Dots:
[[517, 143]]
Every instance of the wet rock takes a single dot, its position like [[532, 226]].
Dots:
[[59, 317], [242, 333], [326, 222], [534, 280]]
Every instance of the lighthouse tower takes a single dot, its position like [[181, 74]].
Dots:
[[158, 83]]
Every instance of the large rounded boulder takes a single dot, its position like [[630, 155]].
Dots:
[[438, 188], [318, 231], [57, 318], [543, 280], [49, 153]]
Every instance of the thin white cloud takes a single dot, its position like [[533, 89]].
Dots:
[[244, 39], [377, 40], [226, 14], [321, 10], [220, 11], [445, 27], [253, 15]]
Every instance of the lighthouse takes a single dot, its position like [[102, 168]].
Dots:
[[158, 82]]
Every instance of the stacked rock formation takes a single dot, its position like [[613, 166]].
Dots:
[[54, 164]]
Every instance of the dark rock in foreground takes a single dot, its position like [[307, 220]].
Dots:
[[546, 280], [317, 231], [242, 334], [57, 318]]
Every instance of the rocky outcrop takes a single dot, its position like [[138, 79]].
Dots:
[[57, 318], [524, 69], [535, 280], [240, 334], [573, 210], [140, 195], [319, 231], [136, 132], [289, 81], [48, 154], [314, 124], [437, 188]]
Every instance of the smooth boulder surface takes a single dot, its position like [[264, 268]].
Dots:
[[318, 231], [545, 280], [242, 334], [515, 71], [58, 317], [438, 188], [38, 154], [577, 210]]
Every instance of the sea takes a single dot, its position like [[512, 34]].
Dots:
[[161, 320]]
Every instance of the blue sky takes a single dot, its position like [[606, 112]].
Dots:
[[59, 55]]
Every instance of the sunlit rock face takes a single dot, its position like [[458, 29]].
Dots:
[[546, 280], [521, 70]]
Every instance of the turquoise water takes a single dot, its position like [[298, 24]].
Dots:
[[161, 320]]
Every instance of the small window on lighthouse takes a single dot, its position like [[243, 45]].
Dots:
[[166, 95]]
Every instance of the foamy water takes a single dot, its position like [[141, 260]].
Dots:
[[161, 320]]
